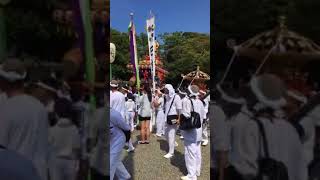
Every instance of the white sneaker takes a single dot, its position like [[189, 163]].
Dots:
[[205, 142], [131, 150], [181, 137], [185, 178], [158, 135], [168, 156], [176, 144]]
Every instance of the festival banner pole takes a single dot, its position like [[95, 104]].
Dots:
[[81, 10], [3, 37], [134, 54], [89, 51], [151, 43]]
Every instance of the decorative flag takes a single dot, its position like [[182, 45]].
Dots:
[[151, 43], [152, 54], [133, 51]]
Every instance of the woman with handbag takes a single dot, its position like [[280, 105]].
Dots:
[[145, 114], [193, 135], [173, 107]]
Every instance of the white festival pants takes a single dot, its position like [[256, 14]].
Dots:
[[130, 119], [170, 135], [160, 122], [116, 166], [205, 130], [121, 172], [192, 155]]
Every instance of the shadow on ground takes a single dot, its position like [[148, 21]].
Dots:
[[177, 160]]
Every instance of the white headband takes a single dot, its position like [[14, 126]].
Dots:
[[113, 85], [191, 92], [230, 99], [44, 86], [275, 104], [12, 76], [297, 97], [183, 93]]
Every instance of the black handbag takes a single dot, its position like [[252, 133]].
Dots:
[[269, 167], [194, 121], [172, 119]]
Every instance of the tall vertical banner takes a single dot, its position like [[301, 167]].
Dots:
[[133, 52], [134, 55], [151, 43]]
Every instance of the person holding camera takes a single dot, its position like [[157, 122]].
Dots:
[[173, 108]]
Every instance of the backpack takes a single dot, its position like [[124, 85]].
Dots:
[[194, 121], [268, 167]]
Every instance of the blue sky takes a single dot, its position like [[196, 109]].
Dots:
[[171, 15]]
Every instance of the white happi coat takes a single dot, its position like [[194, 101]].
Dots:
[[117, 139], [244, 143], [285, 146], [117, 102], [206, 106], [160, 116], [64, 139], [192, 139], [130, 109], [193, 135], [170, 130], [220, 135], [99, 131], [309, 124], [24, 129]]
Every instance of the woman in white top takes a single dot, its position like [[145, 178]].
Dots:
[[159, 104], [130, 109], [193, 137], [145, 114]]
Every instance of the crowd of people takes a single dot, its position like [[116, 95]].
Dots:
[[182, 111], [48, 130], [264, 130]]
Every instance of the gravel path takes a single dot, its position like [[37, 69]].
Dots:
[[148, 163]]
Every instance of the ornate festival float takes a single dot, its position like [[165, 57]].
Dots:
[[197, 77], [145, 69], [279, 51]]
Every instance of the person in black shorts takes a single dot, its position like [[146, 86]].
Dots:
[[145, 114]]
